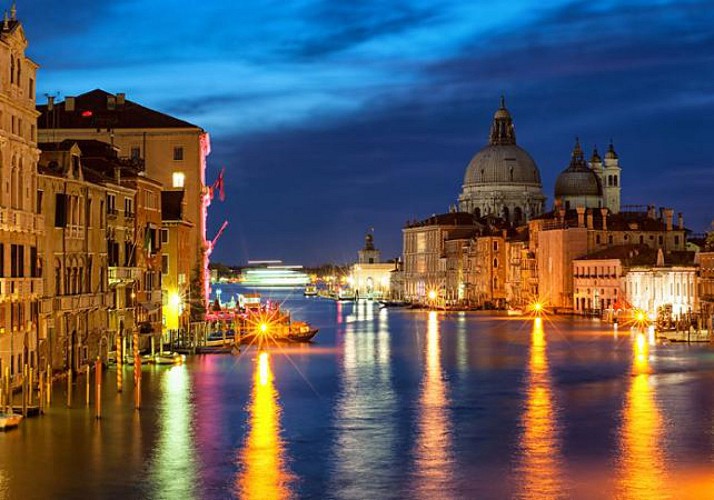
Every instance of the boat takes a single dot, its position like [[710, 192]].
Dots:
[[295, 333], [272, 325], [169, 358], [218, 343], [346, 294], [9, 421], [310, 291], [394, 303]]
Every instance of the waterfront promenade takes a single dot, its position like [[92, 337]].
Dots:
[[391, 404]]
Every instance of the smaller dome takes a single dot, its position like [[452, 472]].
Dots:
[[578, 179]]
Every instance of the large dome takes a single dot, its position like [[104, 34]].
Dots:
[[502, 164], [578, 179], [502, 179]]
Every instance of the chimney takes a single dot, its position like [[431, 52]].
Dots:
[[69, 103], [651, 212], [111, 102], [121, 99], [561, 215], [589, 217], [581, 215], [680, 220], [603, 211], [50, 103], [668, 216]]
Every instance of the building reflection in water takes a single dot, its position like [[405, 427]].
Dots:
[[366, 412], [642, 466], [433, 452], [175, 465], [540, 466], [261, 461]]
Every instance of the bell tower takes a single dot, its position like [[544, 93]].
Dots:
[[612, 182]]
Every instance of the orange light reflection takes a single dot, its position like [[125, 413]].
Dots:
[[642, 468], [540, 468], [264, 474], [433, 461]]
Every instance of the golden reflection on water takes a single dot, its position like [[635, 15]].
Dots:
[[264, 475], [433, 462], [642, 467], [540, 469], [175, 461]]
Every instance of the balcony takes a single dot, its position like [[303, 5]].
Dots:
[[20, 288], [123, 274], [21, 221], [79, 302]]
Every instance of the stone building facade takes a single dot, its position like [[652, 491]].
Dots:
[[173, 151], [21, 223]]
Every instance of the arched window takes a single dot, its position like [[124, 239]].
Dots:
[[614, 179], [506, 214], [19, 71], [12, 68], [495, 263], [477, 212], [518, 215]]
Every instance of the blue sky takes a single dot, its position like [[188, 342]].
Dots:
[[333, 117]]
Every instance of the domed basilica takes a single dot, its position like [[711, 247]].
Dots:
[[591, 185], [502, 179]]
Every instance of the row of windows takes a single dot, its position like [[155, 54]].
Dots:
[[18, 127], [178, 153], [18, 262]]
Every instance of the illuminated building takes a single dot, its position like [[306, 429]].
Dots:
[[502, 179], [706, 288], [369, 277], [76, 256], [562, 236], [173, 151], [175, 259], [424, 244], [662, 285], [21, 226]]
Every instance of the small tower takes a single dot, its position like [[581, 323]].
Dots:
[[596, 165], [369, 254], [612, 182]]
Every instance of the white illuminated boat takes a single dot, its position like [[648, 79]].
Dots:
[[9, 421]]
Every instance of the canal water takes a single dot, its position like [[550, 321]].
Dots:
[[390, 404]]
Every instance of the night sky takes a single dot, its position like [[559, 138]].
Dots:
[[333, 117]]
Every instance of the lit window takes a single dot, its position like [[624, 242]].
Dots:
[[178, 179]]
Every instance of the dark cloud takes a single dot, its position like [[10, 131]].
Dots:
[[337, 26]]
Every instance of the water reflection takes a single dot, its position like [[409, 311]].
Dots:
[[174, 465], [642, 467], [433, 460], [366, 414], [264, 474], [540, 466]]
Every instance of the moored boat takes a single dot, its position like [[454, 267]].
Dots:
[[9, 421], [310, 291]]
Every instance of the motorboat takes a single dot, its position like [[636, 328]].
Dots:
[[9, 421], [310, 291], [169, 358]]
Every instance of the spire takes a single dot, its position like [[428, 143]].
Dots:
[[577, 158], [611, 154], [502, 131], [595, 158], [13, 11], [4, 22]]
